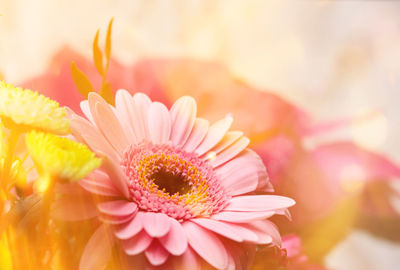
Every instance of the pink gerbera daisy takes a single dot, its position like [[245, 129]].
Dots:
[[175, 192]]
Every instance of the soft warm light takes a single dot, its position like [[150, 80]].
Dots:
[[211, 156], [372, 133], [43, 183], [351, 178]]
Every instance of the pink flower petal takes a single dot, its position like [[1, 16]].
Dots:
[[263, 237], [266, 231], [292, 244], [335, 172], [117, 208], [93, 99], [239, 256], [86, 110], [188, 260], [332, 158], [277, 152], [207, 245], [231, 262], [156, 224], [198, 133], [248, 158], [175, 241], [115, 220], [245, 159], [166, 266], [242, 217], [99, 183], [220, 228], [81, 128], [246, 234], [263, 183], [100, 146], [159, 123], [229, 138], [110, 126], [134, 111], [73, 208], [214, 135], [284, 212], [259, 203], [125, 112], [97, 251], [116, 175], [183, 115], [156, 254], [240, 175], [240, 181], [142, 104], [230, 152], [137, 244], [130, 229]]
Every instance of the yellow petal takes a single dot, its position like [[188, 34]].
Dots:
[[60, 157], [28, 109]]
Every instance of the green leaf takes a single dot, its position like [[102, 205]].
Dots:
[[97, 55], [81, 81]]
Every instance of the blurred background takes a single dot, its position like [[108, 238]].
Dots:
[[336, 59]]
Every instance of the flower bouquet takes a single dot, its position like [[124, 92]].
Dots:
[[188, 168]]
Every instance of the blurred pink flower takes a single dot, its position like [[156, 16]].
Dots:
[[296, 259], [289, 256], [57, 82], [330, 182], [174, 185]]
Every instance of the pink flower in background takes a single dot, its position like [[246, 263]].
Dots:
[[295, 256], [173, 188], [331, 173], [289, 256]]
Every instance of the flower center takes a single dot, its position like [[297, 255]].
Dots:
[[166, 179], [170, 183]]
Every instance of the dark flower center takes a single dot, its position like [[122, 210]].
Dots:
[[170, 182]]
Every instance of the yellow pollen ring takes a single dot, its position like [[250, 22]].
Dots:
[[197, 194]]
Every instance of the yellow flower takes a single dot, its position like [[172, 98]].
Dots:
[[31, 110], [60, 158]]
